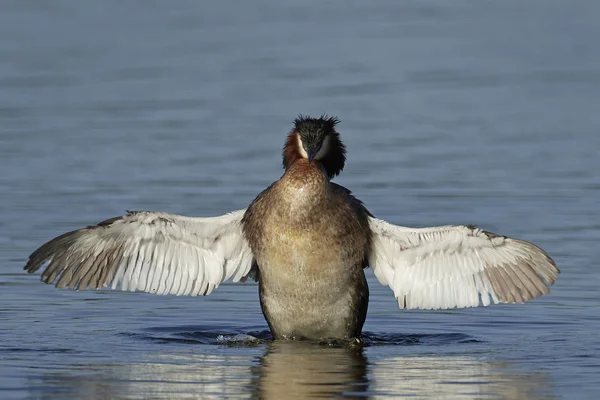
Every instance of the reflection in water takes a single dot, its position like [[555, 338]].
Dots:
[[303, 371], [293, 371], [165, 376], [454, 377]]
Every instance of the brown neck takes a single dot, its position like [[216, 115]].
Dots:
[[291, 152]]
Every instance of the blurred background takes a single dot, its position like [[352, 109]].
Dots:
[[452, 112]]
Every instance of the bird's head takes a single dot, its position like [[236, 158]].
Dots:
[[316, 140]]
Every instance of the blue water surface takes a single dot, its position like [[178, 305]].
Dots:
[[452, 112]]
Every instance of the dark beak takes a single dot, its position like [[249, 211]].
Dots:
[[311, 153]]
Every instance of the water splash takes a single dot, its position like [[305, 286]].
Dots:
[[234, 337]]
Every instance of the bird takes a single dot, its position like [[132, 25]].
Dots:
[[307, 241]]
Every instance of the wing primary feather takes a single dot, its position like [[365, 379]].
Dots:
[[536, 280], [521, 281], [71, 262], [107, 274], [90, 276], [57, 263], [512, 287], [84, 266], [500, 288]]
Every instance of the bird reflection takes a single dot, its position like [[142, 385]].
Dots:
[[303, 371], [294, 371]]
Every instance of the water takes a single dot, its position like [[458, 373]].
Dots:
[[470, 112]]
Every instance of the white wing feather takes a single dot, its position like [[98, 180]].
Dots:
[[457, 266], [148, 251]]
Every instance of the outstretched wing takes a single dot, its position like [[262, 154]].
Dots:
[[148, 251], [457, 266]]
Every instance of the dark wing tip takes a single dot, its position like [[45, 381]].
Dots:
[[31, 266], [55, 248], [50, 249]]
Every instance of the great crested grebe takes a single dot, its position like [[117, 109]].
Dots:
[[307, 241]]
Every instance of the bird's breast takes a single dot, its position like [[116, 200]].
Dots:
[[303, 235]]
